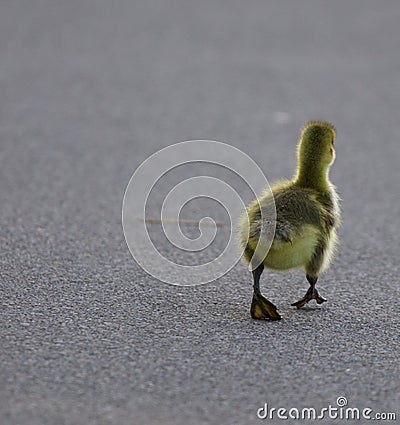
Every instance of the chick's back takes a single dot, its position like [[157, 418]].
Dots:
[[304, 217]]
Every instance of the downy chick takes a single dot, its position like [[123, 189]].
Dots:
[[307, 215]]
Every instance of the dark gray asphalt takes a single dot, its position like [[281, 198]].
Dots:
[[89, 89]]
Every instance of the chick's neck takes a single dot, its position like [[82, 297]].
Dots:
[[313, 175]]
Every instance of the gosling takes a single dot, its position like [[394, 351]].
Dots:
[[307, 216]]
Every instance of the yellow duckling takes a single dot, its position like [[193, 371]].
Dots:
[[307, 215]]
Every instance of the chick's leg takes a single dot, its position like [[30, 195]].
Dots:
[[312, 270], [261, 308], [311, 294]]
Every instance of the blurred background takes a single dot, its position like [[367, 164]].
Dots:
[[89, 89]]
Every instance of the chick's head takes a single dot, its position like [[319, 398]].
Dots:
[[317, 143]]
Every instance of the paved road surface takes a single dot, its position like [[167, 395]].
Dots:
[[89, 89]]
